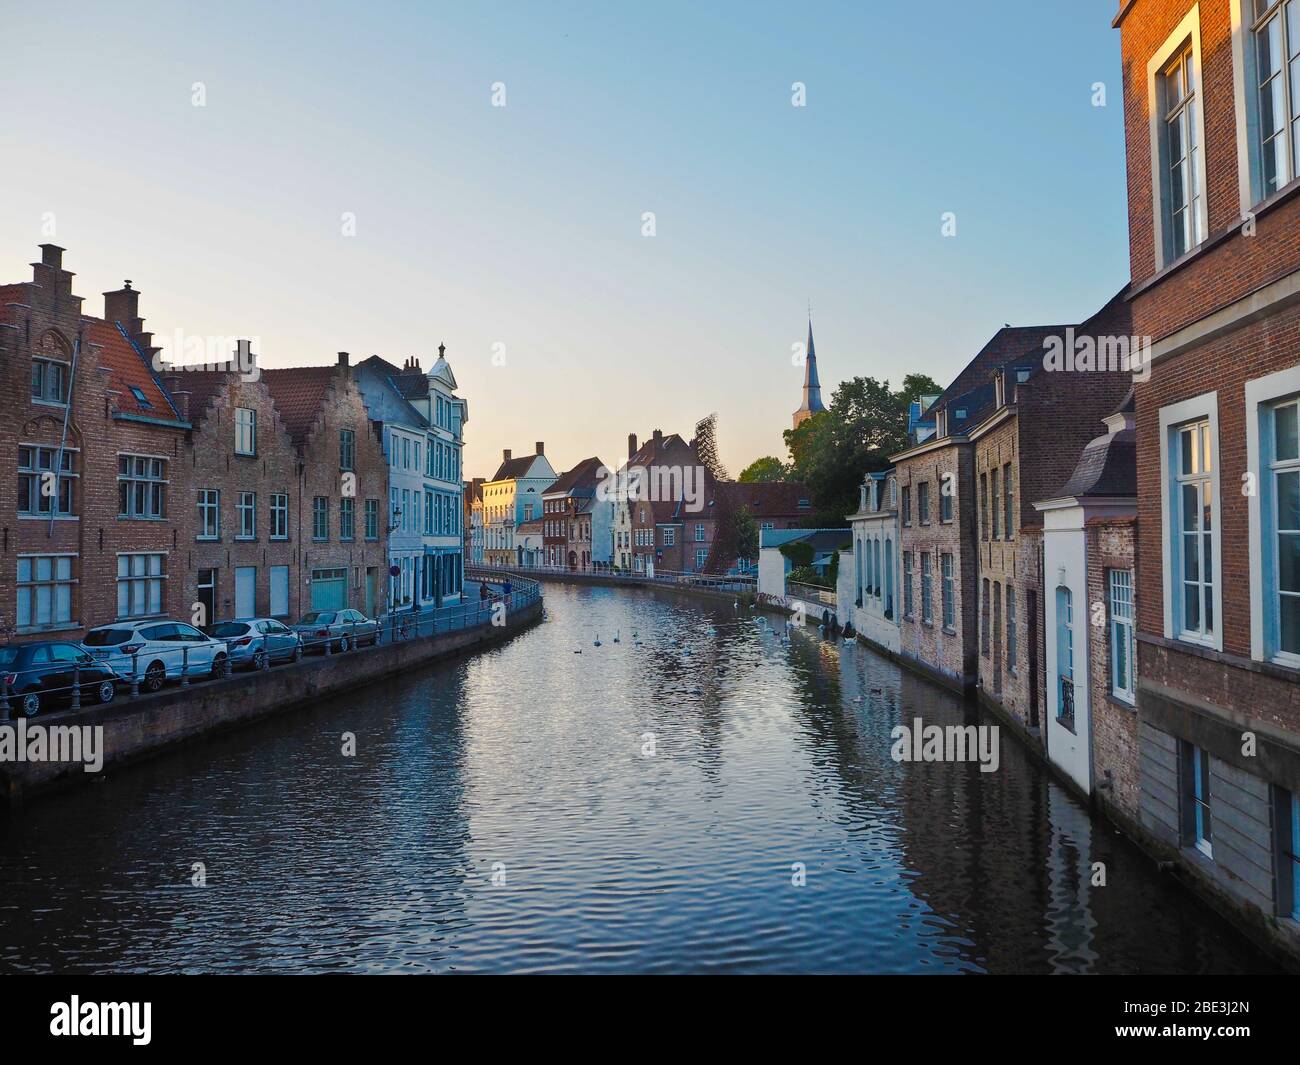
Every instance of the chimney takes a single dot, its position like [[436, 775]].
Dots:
[[52, 256], [343, 358], [631, 444], [658, 438], [505, 455], [541, 447], [123, 306]]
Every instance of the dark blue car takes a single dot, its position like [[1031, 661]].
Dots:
[[38, 675]]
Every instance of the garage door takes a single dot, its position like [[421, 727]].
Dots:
[[329, 588]]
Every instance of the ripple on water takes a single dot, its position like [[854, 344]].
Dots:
[[501, 814]]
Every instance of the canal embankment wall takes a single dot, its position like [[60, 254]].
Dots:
[[148, 725]]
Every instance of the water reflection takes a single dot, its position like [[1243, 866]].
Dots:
[[500, 814]]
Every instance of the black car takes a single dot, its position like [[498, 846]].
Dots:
[[37, 675]]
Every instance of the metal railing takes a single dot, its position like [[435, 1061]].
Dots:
[[203, 661], [812, 593], [736, 582]]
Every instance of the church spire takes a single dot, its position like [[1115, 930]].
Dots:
[[812, 387]]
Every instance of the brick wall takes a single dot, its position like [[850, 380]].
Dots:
[[949, 651], [344, 408], [215, 465], [1111, 545], [46, 318]]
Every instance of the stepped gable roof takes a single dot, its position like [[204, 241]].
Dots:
[[203, 386], [1008, 344]]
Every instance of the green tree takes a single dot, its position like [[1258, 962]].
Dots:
[[765, 470], [832, 451]]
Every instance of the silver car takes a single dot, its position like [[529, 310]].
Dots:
[[340, 629], [155, 650], [251, 642]]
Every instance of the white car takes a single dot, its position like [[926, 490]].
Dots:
[[157, 649]]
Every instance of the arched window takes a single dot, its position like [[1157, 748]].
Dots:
[[889, 578], [1065, 656]]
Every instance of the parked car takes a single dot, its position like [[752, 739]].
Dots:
[[340, 628], [37, 675], [160, 648], [250, 641]]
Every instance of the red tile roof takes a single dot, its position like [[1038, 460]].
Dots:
[[580, 480], [129, 373], [775, 499], [299, 394]]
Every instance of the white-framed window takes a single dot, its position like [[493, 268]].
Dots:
[[1196, 794], [701, 557], [279, 516], [1123, 643], [1189, 454], [1195, 529], [246, 511], [945, 570], [209, 513], [927, 589], [1177, 142], [140, 580], [1266, 51], [49, 381], [39, 489], [699, 533], [670, 537], [44, 598], [1273, 465], [245, 431], [142, 487]]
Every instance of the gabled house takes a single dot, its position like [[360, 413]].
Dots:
[[512, 497], [98, 504], [342, 483]]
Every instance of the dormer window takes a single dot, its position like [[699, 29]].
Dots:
[[141, 398], [1022, 374]]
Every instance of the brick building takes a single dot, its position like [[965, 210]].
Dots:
[[1089, 537], [1044, 410], [240, 559], [939, 563], [1214, 223], [98, 504], [567, 515], [342, 483], [660, 515]]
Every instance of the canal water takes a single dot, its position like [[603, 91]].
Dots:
[[697, 794]]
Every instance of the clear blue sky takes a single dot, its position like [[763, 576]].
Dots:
[[521, 225]]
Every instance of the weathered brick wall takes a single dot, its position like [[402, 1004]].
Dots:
[[274, 469], [51, 322], [343, 407], [1111, 545], [950, 651]]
